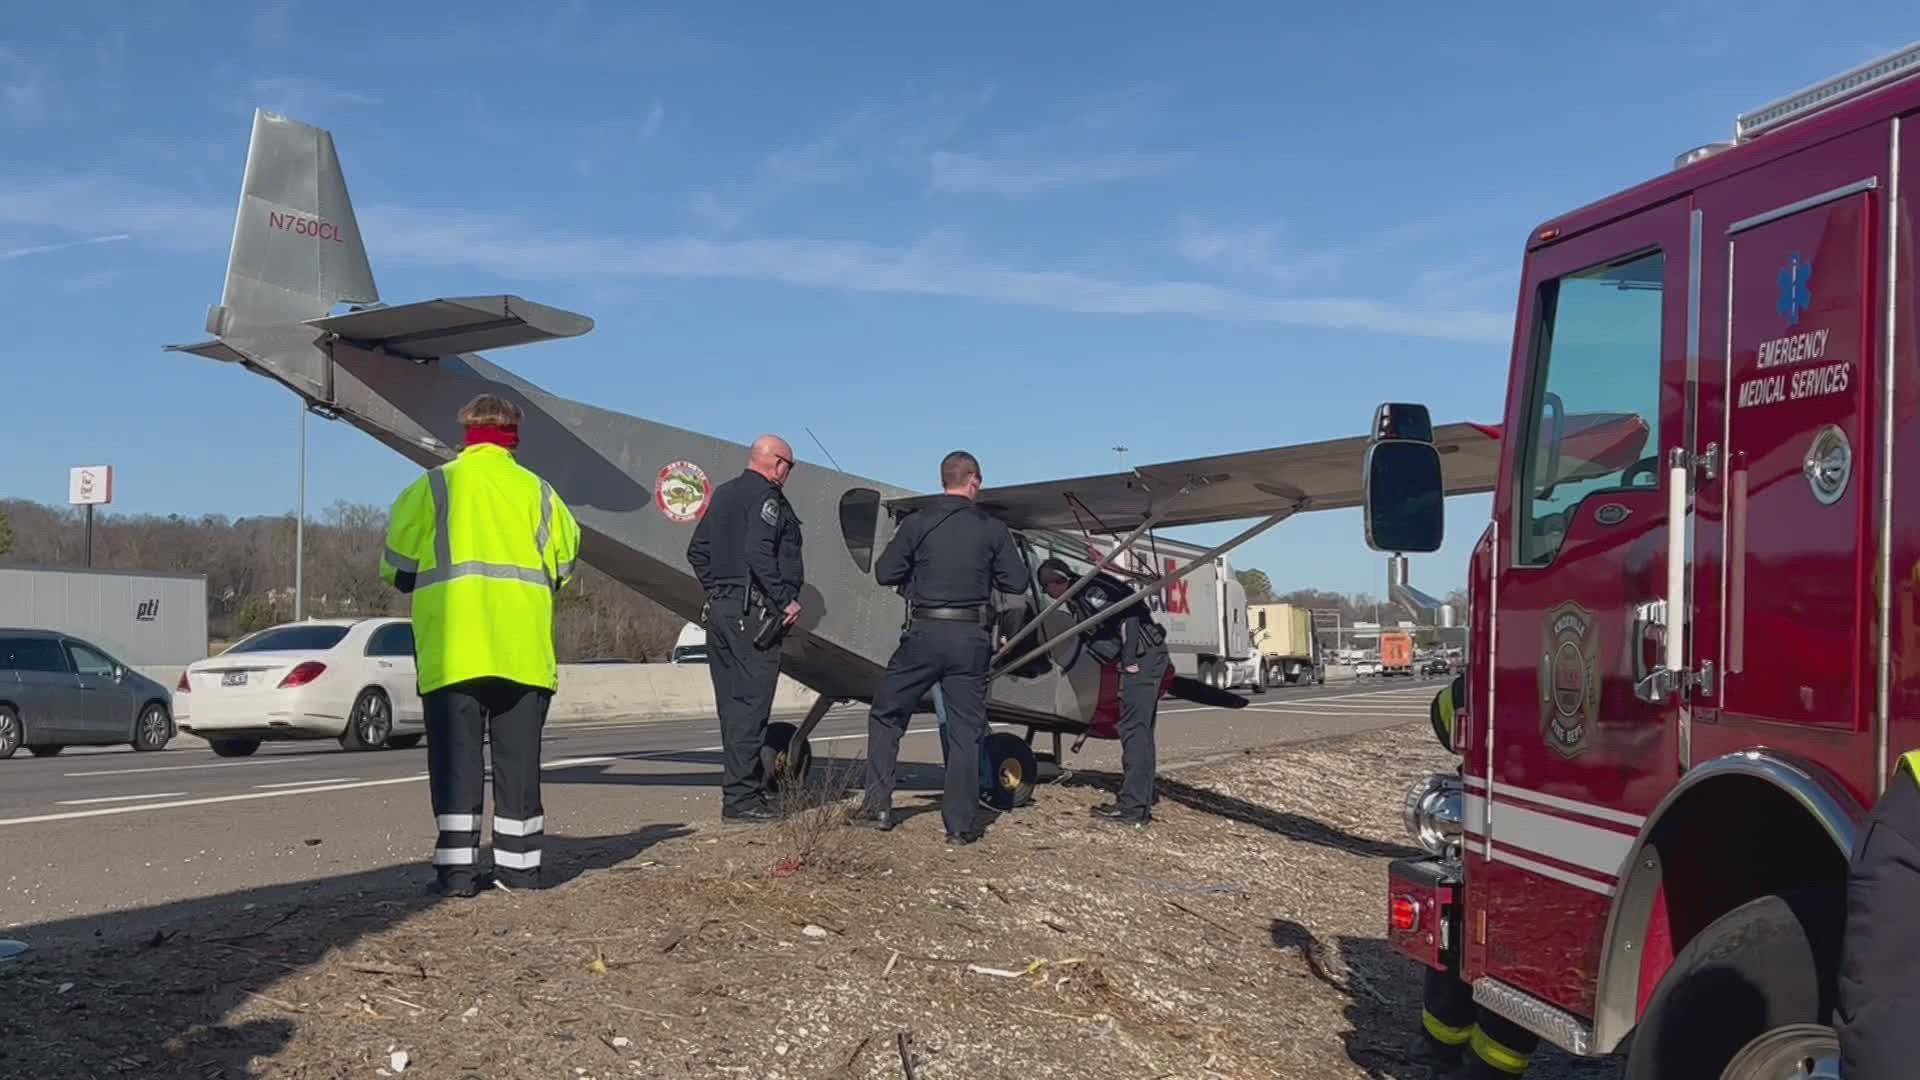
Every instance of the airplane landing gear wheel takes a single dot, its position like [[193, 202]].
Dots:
[[784, 760], [1012, 771]]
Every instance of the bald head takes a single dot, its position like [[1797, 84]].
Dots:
[[771, 457]]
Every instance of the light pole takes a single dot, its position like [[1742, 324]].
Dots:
[[1122, 452], [300, 524]]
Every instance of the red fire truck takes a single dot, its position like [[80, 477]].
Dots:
[[1695, 648]]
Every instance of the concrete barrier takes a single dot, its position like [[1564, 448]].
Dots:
[[601, 691]]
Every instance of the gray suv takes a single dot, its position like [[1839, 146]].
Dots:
[[58, 691]]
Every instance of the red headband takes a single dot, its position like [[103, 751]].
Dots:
[[507, 435]]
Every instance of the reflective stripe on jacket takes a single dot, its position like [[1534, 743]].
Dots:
[[1445, 709], [1910, 761], [482, 544]]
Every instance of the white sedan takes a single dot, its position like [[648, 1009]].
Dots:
[[348, 679]]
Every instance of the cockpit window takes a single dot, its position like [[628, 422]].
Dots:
[[860, 524]]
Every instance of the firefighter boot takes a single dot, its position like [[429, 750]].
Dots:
[[1500, 1049], [1446, 1018]]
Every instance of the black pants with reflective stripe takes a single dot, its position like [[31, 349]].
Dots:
[[1878, 1017], [1139, 708], [744, 679], [461, 720], [955, 655]]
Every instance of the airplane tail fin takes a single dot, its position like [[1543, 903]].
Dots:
[[296, 244]]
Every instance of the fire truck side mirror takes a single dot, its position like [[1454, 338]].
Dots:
[[1404, 497], [1402, 420]]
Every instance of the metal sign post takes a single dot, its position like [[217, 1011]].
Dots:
[[90, 486]]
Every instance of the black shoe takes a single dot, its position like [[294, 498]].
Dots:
[[1112, 812], [463, 890], [755, 815], [878, 820]]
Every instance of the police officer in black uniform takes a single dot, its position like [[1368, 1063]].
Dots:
[[1138, 644], [952, 557], [746, 553]]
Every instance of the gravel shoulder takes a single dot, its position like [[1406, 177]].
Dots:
[[1238, 937]]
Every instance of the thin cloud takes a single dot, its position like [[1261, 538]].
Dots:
[[935, 270], [292, 95], [1258, 250], [23, 88], [876, 138], [97, 207], [44, 249], [974, 174]]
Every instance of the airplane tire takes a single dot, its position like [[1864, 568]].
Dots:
[[1013, 770], [781, 760]]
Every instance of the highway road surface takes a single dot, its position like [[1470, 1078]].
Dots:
[[90, 833]]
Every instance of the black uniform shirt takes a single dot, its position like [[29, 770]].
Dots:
[[954, 554], [1106, 638], [749, 528]]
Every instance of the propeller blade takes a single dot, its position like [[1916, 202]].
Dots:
[[1201, 694]]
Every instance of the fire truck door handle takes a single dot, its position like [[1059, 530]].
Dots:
[[1654, 685], [1650, 684]]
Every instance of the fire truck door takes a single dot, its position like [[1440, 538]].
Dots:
[[1575, 758], [1785, 482]]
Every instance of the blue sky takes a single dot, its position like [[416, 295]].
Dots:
[[1226, 227]]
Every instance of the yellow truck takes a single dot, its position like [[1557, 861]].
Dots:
[[1283, 636]]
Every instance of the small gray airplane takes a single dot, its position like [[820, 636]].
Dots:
[[400, 374]]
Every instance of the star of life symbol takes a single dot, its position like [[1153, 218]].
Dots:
[[1795, 295]]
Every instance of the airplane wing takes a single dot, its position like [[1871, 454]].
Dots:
[[451, 326], [1255, 483]]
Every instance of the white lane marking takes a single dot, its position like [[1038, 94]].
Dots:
[[120, 798], [282, 760], [309, 783], [322, 786], [208, 801], [1325, 715]]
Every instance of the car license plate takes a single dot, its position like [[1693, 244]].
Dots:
[[233, 678]]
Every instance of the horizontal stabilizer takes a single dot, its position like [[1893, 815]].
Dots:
[[212, 350], [450, 326]]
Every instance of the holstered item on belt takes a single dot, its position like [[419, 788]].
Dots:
[[761, 621], [1143, 636]]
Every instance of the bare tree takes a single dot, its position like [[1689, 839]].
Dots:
[[248, 564]]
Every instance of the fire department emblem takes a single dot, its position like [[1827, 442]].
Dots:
[[681, 491], [1569, 678]]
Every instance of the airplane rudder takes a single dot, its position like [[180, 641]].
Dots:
[[297, 249]]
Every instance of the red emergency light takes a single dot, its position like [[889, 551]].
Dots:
[[1404, 914]]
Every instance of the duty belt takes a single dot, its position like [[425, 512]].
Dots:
[[952, 613]]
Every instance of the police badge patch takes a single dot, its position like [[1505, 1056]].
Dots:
[[770, 512], [1569, 678]]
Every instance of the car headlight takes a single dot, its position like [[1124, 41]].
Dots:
[[1432, 813]]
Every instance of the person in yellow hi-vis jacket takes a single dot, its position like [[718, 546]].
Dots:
[[482, 544]]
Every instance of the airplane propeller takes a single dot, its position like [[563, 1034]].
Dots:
[[1200, 693]]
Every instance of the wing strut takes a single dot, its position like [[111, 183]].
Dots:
[[1157, 583], [1079, 583]]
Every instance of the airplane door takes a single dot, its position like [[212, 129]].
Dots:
[[1579, 558]]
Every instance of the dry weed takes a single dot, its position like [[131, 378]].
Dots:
[[813, 833]]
